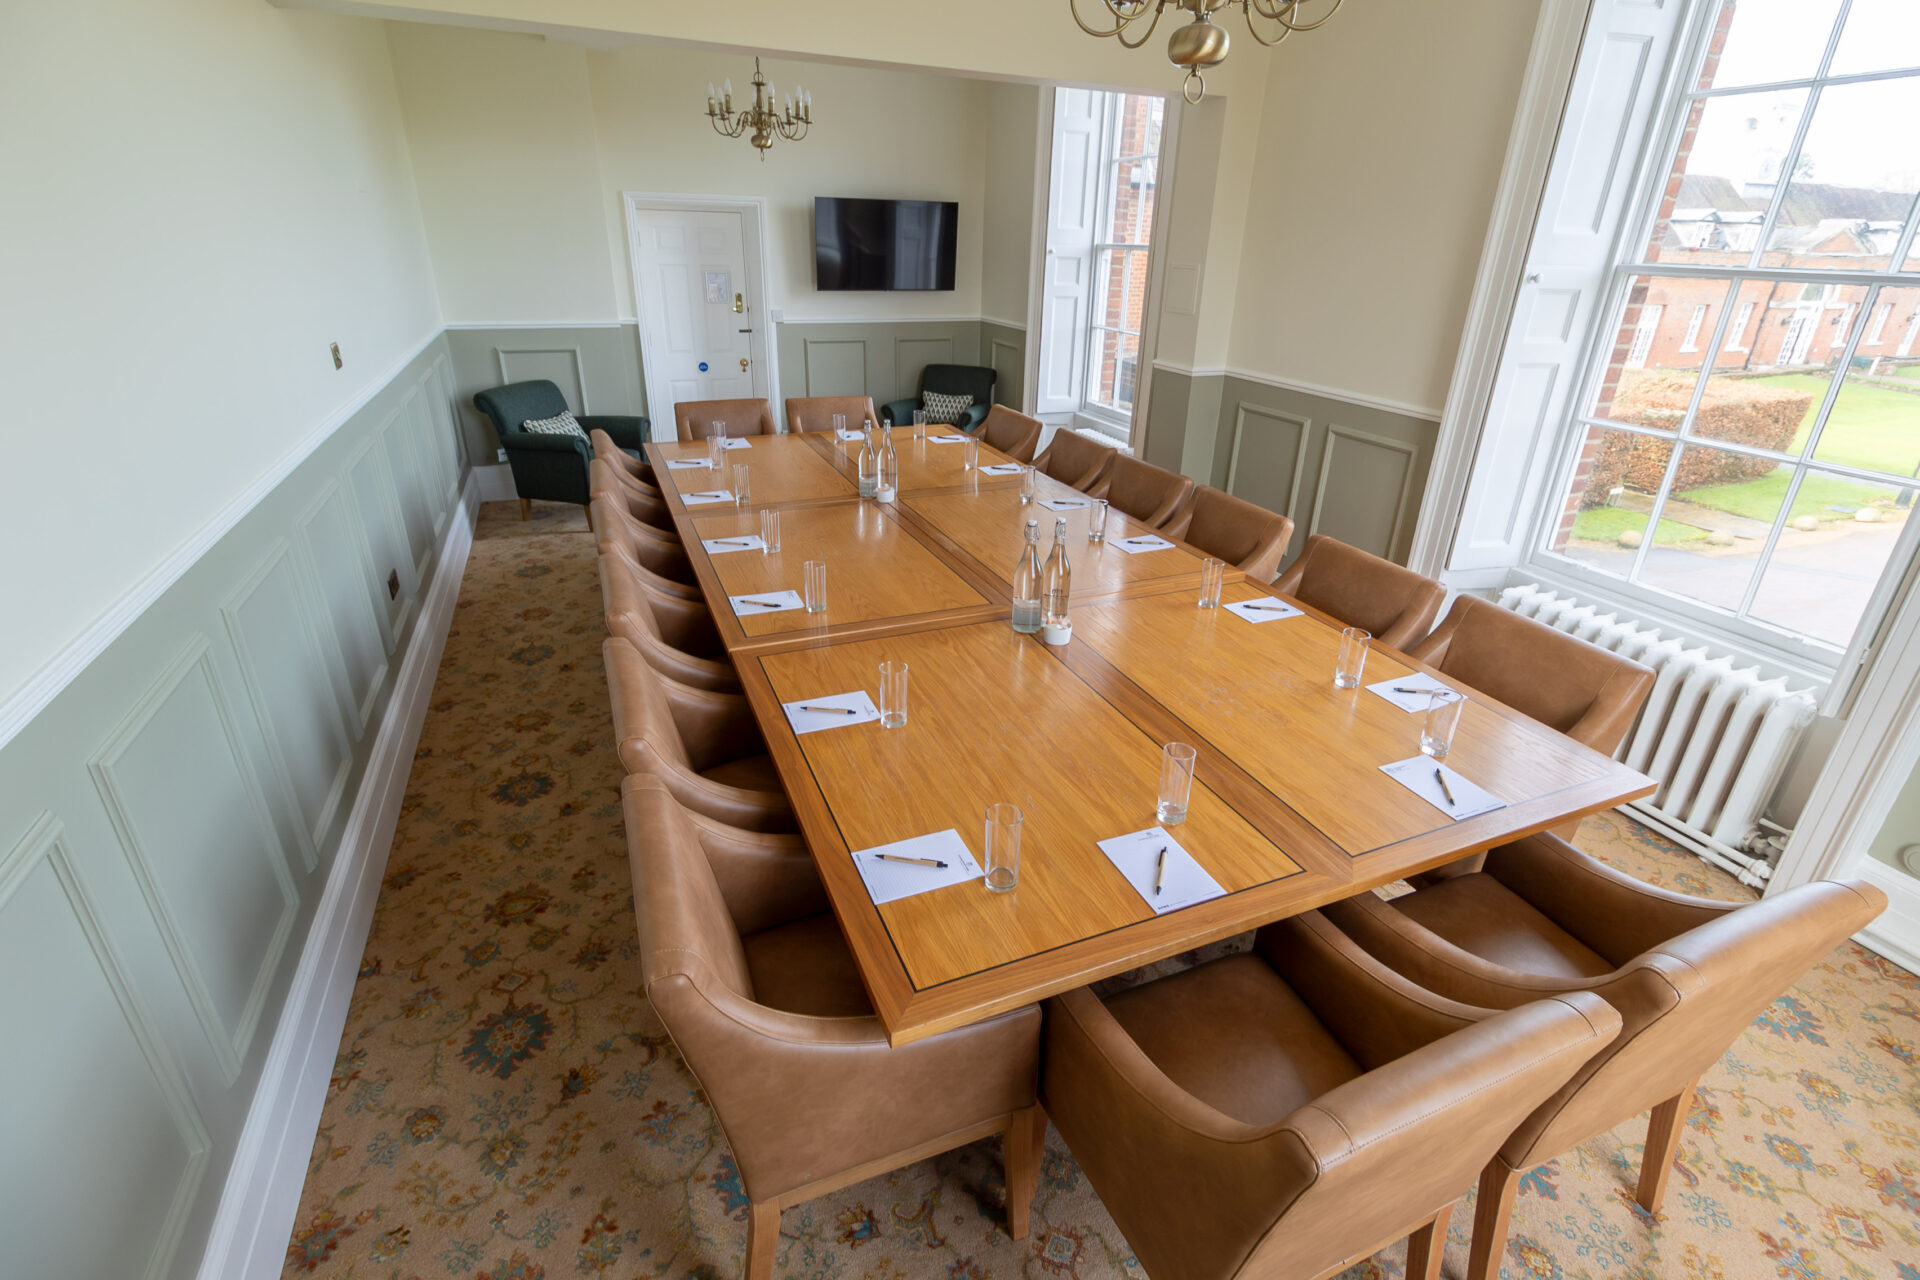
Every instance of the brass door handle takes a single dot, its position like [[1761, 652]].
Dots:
[[743, 364], [739, 304]]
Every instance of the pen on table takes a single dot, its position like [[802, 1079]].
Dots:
[[764, 604], [1403, 689], [832, 711], [1269, 608], [1069, 504], [918, 862], [1160, 869], [1144, 539], [733, 542], [721, 494], [1445, 790]]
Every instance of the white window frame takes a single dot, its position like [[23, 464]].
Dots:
[[1776, 646], [1737, 332], [1645, 330], [1692, 341], [1877, 327], [1113, 420]]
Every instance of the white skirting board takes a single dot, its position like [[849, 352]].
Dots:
[[496, 483], [1895, 934], [262, 1193]]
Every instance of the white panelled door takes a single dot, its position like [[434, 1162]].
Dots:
[[1073, 210], [698, 315]]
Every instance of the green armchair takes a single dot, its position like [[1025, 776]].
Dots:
[[551, 468], [948, 379]]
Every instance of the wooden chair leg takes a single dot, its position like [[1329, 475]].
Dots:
[[589, 511], [1427, 1246], [1663, 1141], [526, 508], [1492, 1209], [763, 1237], [1023, 1144]]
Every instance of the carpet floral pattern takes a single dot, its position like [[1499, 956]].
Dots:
[[505, 1105]]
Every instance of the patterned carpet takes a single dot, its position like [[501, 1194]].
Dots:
[[506, 1106]]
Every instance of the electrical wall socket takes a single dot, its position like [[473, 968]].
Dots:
[[338, 363]]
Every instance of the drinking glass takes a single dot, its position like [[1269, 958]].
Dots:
[[1176, 783], [893, 694], [1353, 658], [1097, 520], [970, 452], [1003, 846], [816, 594], [839, 424], [919, 424], [1213, 574], [1026, 485], [717, 452], [770, 530], [1443, 717], [740, 498]]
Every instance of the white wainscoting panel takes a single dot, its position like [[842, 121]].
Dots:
[[336, 553], [1267, 458], [199, 838], [379, 512], [409, 489], [835, 366], [1351, 502], [559, 365]]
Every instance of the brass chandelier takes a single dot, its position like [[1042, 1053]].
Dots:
[[763, 121], [1201, 43]]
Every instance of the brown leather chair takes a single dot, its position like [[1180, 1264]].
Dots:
[[1292, 1111], [815, 413], [638, 468], [676, 637], [1584, 691], [1392, 603], [1012, 433], [1150, 494], [703, 745], [661, 563], [642, 501], [1686, 974], [1075, 460], [695, 418], [745, 966], [1244, 534]]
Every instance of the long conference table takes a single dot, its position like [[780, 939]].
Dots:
[[1289, 810]]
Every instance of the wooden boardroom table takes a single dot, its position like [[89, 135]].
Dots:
[[1289, 811]]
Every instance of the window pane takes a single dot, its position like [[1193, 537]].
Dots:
[[1880, 36], [1853, 182], [1770, 394], [1135, 148], [1116, 366], [1610, 499], [1720, 511], [1665, 328], [1875, 422], [1727, 164], [1761, 41], [1839, 537]]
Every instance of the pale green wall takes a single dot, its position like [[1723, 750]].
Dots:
[[1901, 828], [597, 368], [167, 825]]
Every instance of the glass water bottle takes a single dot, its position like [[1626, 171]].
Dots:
[[889, 473], [1056, 627], [869, 462], [1027, 582]]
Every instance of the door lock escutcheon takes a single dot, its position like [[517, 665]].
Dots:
[[739, 304]]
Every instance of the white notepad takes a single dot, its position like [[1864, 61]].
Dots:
[[1420, 681], [707, 498], [1065, 504], [1141, 543], [1417, 776], [849, 434], [745, 542], [1263, 609], [887, 881], [1002, 469], [1137, 857], [769, 602], [947, 439], [813, 721], [689, 464], [734, 443]]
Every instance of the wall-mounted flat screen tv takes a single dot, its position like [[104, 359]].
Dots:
[[883, 244]]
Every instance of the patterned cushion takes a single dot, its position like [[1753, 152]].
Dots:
[[945, 409], [560, 424]]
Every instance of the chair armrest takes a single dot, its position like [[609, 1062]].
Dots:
[[1431, 962], [898, 412], [1616, 915], [1177, 527], [767, 879], [676, 664], [542, 442], [976, 414], [735, 806], [687, 625], [629, 431], [717, 728], [548, 467]]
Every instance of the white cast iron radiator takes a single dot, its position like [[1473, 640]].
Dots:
[[1714, 735]]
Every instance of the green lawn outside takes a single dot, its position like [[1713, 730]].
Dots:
[[1760, 499], [1605, 524]]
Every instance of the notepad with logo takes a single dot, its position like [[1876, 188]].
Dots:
[[1264, 609], [1143, 543], [720, 546], [831, 711], [849, 434], [1412, 693], [689, 464], [1003, 469], [947, 439], [707, 497], [1421, 775], [766, 602], [1065, 504], [1182, 881], [887, 879], [736, 443]]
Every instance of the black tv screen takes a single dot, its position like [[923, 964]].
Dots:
[[883, 244]]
